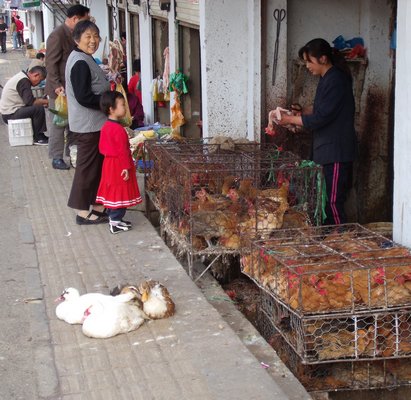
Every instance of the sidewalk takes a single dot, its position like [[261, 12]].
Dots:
[[194, 355]]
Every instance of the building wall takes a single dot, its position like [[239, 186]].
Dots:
[[225, 31], [101, 15], [402, 140]]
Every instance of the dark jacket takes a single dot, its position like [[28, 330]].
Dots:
[[59, 46], [332, 120]]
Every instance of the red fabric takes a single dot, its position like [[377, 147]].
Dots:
[[136, 111], [19, 25], [114, 191], [132, 86]]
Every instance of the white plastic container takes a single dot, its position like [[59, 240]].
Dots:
[[20, 132]]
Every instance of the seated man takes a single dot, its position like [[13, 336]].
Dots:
[[17, 101]]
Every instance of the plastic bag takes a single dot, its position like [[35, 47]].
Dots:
[[127, 120], [60, 112], [177, 117]]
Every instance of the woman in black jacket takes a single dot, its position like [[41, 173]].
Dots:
[[331, 120]]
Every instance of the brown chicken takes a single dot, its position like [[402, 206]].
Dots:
[[229, 182], [213, 224], [295, 219], [394, 335]]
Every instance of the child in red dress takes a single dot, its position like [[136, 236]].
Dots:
[[118, 186]]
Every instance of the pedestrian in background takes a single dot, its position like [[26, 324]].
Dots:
[[331, 120], [85, 82], [13, 32], [20, 31], [59, 45], [3, 35]]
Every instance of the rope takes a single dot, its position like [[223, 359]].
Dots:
[[319, 213]]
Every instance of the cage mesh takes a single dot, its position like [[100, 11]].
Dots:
[[337, 376], [328, 269], [367, 336], [208, 197]]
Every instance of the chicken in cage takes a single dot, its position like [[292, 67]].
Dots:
[[329, 269]]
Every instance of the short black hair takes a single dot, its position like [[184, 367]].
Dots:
[[108, 100], [82, 26], [77, 11], [137, 65], [38, 69], [40, 56]]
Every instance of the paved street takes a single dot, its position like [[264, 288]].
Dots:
[[194, 355]]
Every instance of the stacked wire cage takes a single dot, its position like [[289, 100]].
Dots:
[[337, 376], [209, 198], [335, 294]]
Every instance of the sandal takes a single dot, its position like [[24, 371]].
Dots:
[[87, 221]]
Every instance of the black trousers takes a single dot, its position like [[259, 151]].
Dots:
[[20, 38], [338, 179], [3, 37], [88, 171], [37, 115]]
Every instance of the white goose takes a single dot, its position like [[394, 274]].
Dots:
[[73, 306], [104, 320]]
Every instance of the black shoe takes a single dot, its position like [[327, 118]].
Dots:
[[59, 163], [87, 221], [100, 213], [41, 142], [114, 229]]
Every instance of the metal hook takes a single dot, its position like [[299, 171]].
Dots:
[[279, 14]]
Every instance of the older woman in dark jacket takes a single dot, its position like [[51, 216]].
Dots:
[[85, 82]]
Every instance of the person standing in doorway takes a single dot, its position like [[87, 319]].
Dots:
[[59, 45], [134, 84], [20, 31], [331, 119], [3, 35]]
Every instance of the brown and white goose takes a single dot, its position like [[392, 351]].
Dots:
[[157, 302]]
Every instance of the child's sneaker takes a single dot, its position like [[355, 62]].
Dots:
[[125, 223], [118, 228]]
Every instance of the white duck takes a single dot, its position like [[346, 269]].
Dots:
[[104, 320], [72, 308], [157, 302]]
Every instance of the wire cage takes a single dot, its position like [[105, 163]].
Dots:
[[157, 152], [208, 200], [337, 376], [367, 336], [329, 269]]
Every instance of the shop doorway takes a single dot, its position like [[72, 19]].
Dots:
[[190, 65]]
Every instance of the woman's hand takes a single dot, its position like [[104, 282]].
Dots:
[[124, 174]]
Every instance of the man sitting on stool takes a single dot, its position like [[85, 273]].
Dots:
[[17, 102]]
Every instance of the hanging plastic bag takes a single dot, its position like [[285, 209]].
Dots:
[[177, 117], [155, 89], [178, 83], [127, 120], [60, 112]]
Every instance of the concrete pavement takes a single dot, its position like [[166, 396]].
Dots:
[[194, 355]]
